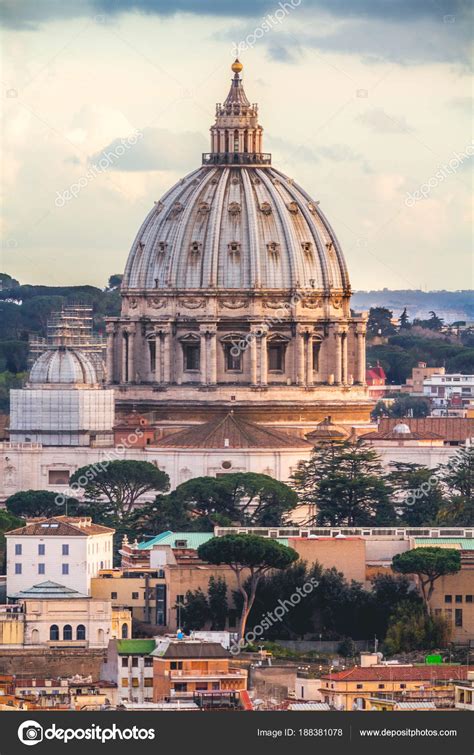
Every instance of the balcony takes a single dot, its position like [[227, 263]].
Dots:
[[189, 675], [236, 158]]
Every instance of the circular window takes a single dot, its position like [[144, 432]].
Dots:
[[226, 464]]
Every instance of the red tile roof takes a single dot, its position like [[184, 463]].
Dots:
[[67, 526], [376, 373], [390, 435], [399, 673], [450, 428], [232, 431]]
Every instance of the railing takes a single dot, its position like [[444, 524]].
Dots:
[[421, 532], [182, 674], [236, 158]]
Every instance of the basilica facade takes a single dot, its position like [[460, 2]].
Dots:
[[236, 294]]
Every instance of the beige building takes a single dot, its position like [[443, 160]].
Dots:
[[54, 616], [354, 688], [453, 595], [414, 385]]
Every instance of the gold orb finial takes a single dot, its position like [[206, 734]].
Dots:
[[237, 66]]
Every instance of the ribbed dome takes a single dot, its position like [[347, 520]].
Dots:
[[241, 228], [63, 366]]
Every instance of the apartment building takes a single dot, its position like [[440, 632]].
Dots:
[[69, 551], [198, 670], [354, 688], [129, 665]]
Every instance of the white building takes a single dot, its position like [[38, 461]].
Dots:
[[130, 666], [455, 390], [66, 550]]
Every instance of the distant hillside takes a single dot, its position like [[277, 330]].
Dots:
[[450, 305]]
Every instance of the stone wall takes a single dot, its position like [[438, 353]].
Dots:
[[43, 662]]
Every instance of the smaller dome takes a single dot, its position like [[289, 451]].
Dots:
[[401, 429], [63, 366]]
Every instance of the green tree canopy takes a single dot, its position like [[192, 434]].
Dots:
[[121, 483], [457, 480], [33, 503], [380, 322], [429, 564], [247, 553], [412, 628], [419, 497], [410, 406], [345, 482], [244, 498], [404, 320]]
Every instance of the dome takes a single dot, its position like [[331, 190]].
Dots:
[[63, 366], [236, 222], [240, 228], [401, 429]]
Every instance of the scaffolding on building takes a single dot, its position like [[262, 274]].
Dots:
[[71, 326]]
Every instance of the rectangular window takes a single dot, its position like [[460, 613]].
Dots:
[[359, 686], [124, 682], [381, 686], [17, 549], [134, 596], [180, 600], [135, 682], [58, 477], [458, 599], [113, 596], [469, 599], [41, 569], [41, 549], [176, 665], [148, 662], [191, 354], [65, 549], [65, 569], [276, 357], [458, 617], [148, 682], [403, 686], [233, 357], [17, 568], [448, 598], [180, 687], [316, 350], [124, 662], [134, 662]]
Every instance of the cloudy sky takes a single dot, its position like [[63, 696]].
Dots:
[[366, 103]]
